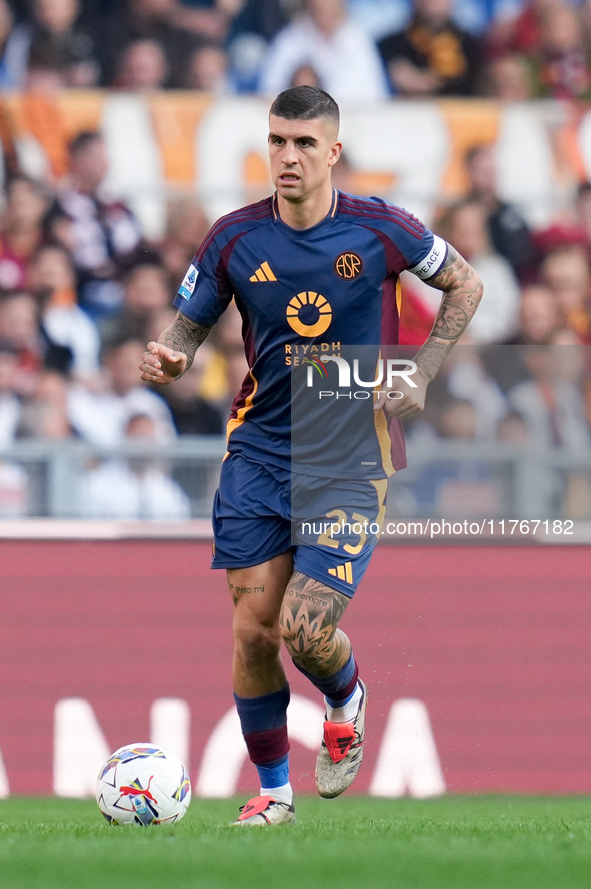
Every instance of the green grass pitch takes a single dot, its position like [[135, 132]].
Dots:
[[353, 842]]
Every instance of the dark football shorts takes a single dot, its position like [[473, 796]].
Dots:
[[330, 525]]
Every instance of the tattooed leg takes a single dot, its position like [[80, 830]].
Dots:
[[257, 593], [309, 620]]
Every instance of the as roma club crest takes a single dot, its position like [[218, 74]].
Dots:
[[348, 265]]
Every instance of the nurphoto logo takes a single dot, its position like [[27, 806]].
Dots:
[[386, 372]]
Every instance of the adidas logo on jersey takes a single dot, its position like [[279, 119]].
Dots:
[[343, 572], [263, 273]]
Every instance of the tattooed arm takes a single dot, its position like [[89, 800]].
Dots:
[[173, 354], [462, 291]]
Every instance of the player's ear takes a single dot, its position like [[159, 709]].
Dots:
[[335, 153]]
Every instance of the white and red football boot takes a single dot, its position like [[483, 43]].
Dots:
[[263, 811], [341, 752]]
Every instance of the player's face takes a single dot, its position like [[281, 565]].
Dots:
[[302, 153]]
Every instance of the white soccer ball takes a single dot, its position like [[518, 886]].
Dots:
[[143, 784]]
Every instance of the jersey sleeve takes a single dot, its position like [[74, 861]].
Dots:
[[206, 290], [415, 248]]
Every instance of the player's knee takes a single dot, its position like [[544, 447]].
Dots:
[[299, 638], [255, 642]]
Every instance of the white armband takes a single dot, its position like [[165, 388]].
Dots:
[[433, 261]]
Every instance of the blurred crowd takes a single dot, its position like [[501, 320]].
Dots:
[[82, 289], [81, 293], [359, 50]]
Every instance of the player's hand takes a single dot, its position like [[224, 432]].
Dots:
[[403, 401], [161, 364]]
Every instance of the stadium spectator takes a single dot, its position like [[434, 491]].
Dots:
[[105, 234], [552, 407], [210, 18], [464, 226], [13, 51], [432, 56], [341, 53], [462, 487], [46, 72], [19, 327], [21, 230], [540, 319], [99, 412], [58, 228], [551, 36], [253, 28], [562, 234], [306, 75], [539, 316], [511, 78], [566, 272], [52, 279], [139, 488], [571, 362], [457, 420], [54, 32], [142, 67], [568, 355], [521, 31], [452, 487], [165, 317], [186, 227], [45, 413], [564, 72], [380, 17], [572, 367], [207, 70], [145, 20], [51, 276], [513, 430], [192, 414], [583, 211], [146, 293], [10, 405], [265, 18], [468, 380], [508, 231]]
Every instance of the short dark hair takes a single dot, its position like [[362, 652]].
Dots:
[[7, 347], [81, 142], [473, 152], [34, 184], [148, 259], [305, 103], [56, 247]]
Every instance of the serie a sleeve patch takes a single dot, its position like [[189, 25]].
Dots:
[[188, 286]]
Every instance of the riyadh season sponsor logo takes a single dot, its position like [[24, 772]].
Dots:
[[387, 371]]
